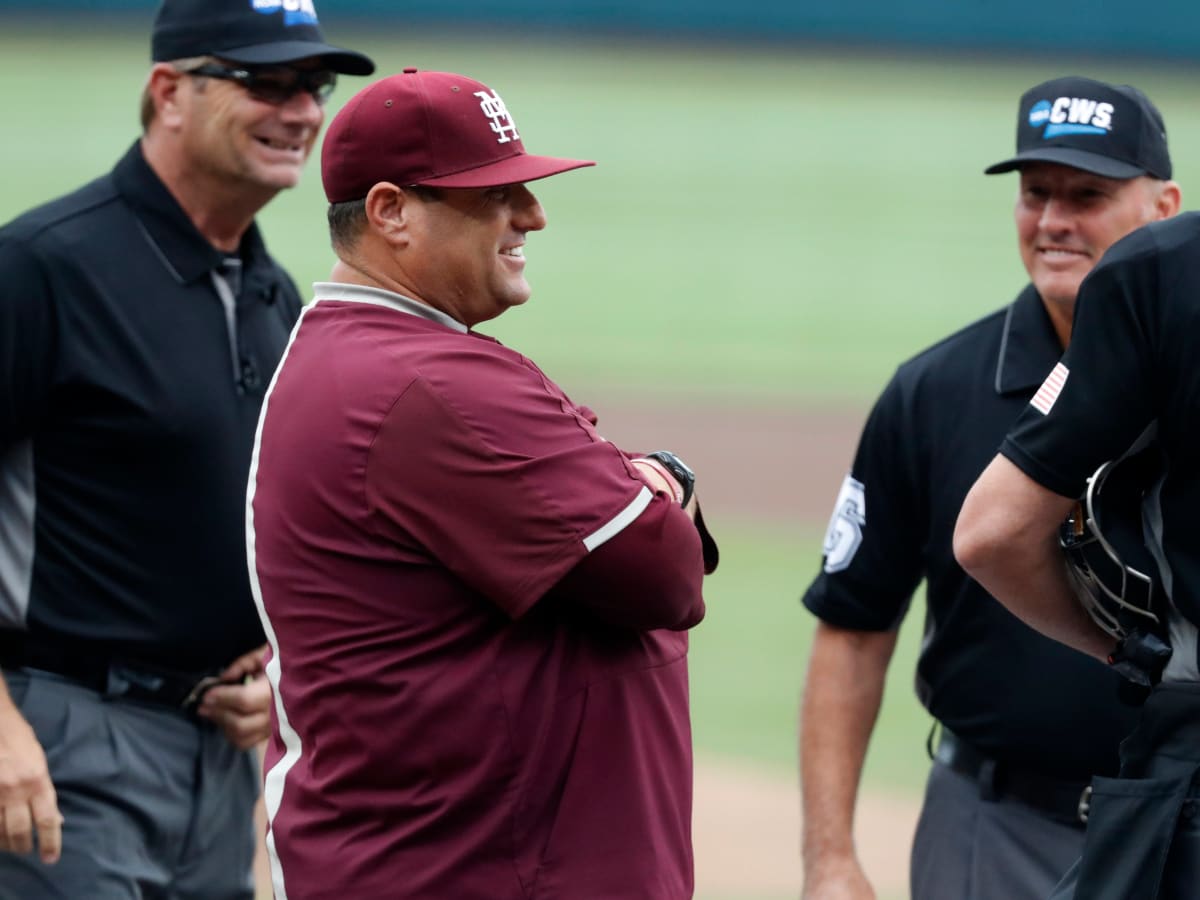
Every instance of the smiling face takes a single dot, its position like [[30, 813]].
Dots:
[[467, 256], [1066, 218], [230, 135]]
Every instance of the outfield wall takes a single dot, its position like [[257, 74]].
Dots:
[[1167, 29]]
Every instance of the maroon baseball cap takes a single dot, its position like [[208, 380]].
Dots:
[[430, 128]]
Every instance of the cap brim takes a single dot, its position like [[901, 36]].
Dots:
[[346, 62], [514, 170], [1095, 163]]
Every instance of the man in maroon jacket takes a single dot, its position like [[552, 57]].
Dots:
[[477, 606]]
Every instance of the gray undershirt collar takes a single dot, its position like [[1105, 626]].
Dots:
[[357, 293]]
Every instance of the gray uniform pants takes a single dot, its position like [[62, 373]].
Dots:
[[970, 848], [157, 806]]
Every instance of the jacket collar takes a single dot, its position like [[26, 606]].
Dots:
[[182, 247], [1029, 345]]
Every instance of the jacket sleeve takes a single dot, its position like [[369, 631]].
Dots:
[[509, 488], [873, 552], [648, 576]]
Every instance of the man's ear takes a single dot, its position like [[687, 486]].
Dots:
[[163, 84], [389, 212], [1170, 199]]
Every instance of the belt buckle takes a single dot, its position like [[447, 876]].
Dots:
[[196, 694], [121, 680], [1085, 804]]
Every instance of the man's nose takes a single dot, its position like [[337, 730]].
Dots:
[[528, 214], [1055, 216]]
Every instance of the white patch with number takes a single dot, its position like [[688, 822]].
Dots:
[[844, 536]]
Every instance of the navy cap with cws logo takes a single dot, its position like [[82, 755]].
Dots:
[[253, 32], [1111, 130]]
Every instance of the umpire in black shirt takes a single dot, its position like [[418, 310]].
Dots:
[[1133, 362], [1024, 722], [140, 320]]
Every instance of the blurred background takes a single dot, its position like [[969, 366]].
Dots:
[[789, 202]]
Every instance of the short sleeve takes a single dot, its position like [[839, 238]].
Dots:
[[27, 341], [500, 479], [872, 551], [1100, 397]]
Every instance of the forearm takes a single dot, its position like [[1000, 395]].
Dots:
[[1006, 539], [664, 482], [1031, 581], [661, 481], [647, 576], [842, 696]]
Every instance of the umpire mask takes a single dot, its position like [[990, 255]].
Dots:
[[1113, 573]]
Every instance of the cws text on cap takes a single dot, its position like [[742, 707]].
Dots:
[[1106, 129]]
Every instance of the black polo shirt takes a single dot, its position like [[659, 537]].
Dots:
[[1134, 360], [1004, 688], [129, 396]]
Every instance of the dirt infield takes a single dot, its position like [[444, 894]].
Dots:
[[746, 829], [774, 463]]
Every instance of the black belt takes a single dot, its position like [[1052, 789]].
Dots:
[[1062, 800], [108, 675]]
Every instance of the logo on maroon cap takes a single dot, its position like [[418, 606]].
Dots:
[[425, 128], [493, 107]]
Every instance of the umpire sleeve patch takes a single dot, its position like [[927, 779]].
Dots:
[[844, 536], [1043, 400]]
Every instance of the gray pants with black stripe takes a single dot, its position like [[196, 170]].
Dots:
[[157, 806], [971, 848]]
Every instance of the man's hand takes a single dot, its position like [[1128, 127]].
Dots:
[[840, 880], [241, 704], [660, 480], [28, 803], [842, 692]]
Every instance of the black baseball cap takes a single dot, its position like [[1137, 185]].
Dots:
[[248, 31], [1107, 129]]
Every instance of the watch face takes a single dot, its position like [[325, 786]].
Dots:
[[677, 467], [682, 466], [685, 467]]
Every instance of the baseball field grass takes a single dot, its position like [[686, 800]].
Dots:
[[768, 227], [763, 221]]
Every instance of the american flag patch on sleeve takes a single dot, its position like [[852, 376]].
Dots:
[[1043, 400]]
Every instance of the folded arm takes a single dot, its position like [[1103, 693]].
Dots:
[[1006, 539], [647, 576]]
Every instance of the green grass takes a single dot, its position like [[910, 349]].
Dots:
[[748, 662], [795, 221]]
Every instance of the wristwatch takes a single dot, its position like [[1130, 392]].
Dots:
[[679, 471]]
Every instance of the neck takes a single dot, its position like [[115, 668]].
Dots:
[[222, 210], [347, 272], [1061, 320], [352, 269]]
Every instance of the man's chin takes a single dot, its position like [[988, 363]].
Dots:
[[1060, 291], [518, 297], [278, 177]]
